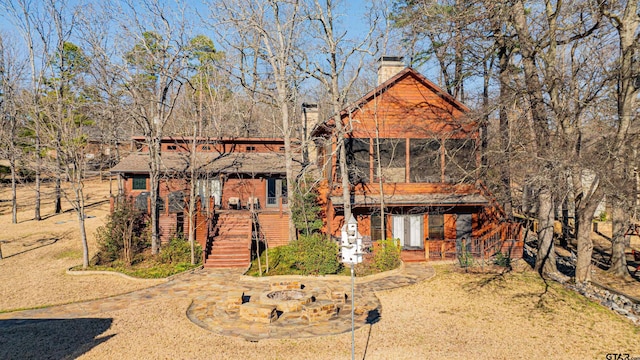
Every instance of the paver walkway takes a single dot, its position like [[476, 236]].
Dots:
[[210, 290]]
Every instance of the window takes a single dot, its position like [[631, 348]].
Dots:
[[281, 148], [276, 189], [142, 202], [172, 147], [377, 232], [358, 160], [436, 227], [207, 188], [251, 148], [460, 159], [206, 148], [176, 202], [160, 204], [424, 161], [392, 160], [139, 182]]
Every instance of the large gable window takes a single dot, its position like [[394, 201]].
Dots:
[[358, 160], [392, 160], [425, 161], [460, 160]]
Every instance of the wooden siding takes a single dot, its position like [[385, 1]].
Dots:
[[243, 189], [409, 109], [408, 188]]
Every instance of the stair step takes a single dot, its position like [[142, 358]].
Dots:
[[227, 265], [230, 252], [231, 245], [235, 239]]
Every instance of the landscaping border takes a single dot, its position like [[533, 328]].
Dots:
[[69, 271]]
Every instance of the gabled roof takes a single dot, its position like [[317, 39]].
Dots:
[[385, 86]]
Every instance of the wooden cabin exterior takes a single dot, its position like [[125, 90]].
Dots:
[[410, 146], [240, 188]]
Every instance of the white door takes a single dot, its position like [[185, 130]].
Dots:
[[416, 223], [398, 228], [408, 229]]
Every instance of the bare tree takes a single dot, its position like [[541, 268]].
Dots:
[[542, 51], [154, 75], [28, 17], [626, 20], [11, 71], [62, 117], [329, 62], [266, 36]]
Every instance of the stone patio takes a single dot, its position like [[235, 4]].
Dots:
[[219, 295]]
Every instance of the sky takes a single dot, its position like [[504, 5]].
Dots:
[[353, 19]]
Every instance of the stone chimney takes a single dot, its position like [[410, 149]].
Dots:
[[309, 120], [388, 66]]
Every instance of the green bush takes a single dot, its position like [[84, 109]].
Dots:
[[465, 258], [282, 257], [503, 260], [179, 251], [387, 255], [124, 236], [282, 261], [315, 254]]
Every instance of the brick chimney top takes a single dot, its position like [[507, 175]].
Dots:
[[388, 66]]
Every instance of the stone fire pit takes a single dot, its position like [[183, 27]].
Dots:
[[287, 300]]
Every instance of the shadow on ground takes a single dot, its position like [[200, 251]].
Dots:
[[51, 338]]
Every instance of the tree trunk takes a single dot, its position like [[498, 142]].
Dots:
[[620, 224], [57, 203], [192, 222], [584, 216], [192, 192], [83, 232], [154, 179], [585, 247], [546, 257], [288, 158], [14, 194], [37, 173], [505, 134]]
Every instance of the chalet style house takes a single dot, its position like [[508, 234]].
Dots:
[[409, 146]]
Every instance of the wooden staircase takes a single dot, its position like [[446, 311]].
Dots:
[[231, 245]]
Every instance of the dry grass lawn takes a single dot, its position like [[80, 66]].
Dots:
[[453, 316], [37, 253]]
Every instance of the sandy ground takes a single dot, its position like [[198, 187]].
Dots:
[[453, 316], [37, 253]]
